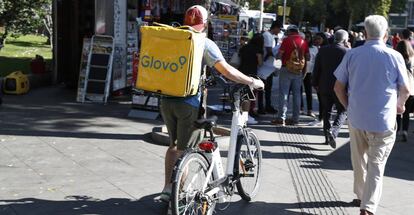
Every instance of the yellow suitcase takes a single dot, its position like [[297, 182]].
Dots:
[[16, 83], [170, 60]]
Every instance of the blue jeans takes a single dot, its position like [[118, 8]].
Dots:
[[289, 82]]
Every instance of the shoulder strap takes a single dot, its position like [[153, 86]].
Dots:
[[294, 44], [301, 54]]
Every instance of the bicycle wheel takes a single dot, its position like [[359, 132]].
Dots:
[[187, 196], [248, 165]]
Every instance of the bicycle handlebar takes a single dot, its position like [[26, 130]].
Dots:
[[245, 91]]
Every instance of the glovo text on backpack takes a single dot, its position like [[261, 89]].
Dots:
[[170, 60]]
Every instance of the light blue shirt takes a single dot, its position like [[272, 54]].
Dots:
[[373, 73]]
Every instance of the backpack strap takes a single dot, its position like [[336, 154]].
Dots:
[[296, 47]]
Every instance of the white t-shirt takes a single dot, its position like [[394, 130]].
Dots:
[[313, 51]]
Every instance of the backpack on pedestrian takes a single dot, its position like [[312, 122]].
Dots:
[[170, 60], [296, 61]]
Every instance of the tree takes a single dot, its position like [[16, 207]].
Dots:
[[44, 13], [398, 6], [338, 12], [357, 9], [24, 16]]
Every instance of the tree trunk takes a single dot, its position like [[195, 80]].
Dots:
[[351, 14]]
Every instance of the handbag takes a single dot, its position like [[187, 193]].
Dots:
[[268, 67]]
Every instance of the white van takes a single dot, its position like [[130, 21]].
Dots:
[[245, 15]]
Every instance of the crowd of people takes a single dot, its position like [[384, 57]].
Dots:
[[366, 82], [366, 77]]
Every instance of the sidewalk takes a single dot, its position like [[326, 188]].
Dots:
[[61, 157]]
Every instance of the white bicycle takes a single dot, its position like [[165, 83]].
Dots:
[[199, 180]]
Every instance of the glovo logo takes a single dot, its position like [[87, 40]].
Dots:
[[153, 63]]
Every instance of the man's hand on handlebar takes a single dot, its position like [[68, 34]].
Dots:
[[256, 84]]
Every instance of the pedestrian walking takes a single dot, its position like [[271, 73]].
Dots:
[[320, 40], [372, 84], [404, 47], [251, 57], [269, 45], [179, 114], [290, 78], [307, 81], [323, 80]]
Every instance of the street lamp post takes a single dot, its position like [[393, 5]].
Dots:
[[261, 15]]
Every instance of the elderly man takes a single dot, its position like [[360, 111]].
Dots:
[[372, 85], [323, 80]]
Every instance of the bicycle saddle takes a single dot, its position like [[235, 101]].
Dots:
[[206, 123]]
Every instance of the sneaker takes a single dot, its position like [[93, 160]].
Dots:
[[251, 121], [278, 122], [331, 140], [165, 195], [311, 114], [316, 122]]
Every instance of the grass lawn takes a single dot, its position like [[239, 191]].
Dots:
[[18, 52]]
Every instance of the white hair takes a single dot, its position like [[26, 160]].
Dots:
[[376, 26], [341, 36]]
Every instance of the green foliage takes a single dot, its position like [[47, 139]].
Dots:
[[22, 16], [18, 53], [316, 11]]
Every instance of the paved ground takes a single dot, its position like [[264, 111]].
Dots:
[[62, 157]]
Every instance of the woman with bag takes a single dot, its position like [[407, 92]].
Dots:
[[407, 51], [307, 80], [251, 57]]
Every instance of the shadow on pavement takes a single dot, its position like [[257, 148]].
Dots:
[[53, 112], [73, 205], [244, 208], [398, 165]]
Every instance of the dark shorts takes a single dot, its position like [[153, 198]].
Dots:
[[179, 118]]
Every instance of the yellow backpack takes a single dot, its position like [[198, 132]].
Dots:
[[170, 60]]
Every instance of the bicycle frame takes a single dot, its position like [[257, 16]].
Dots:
[[239, 120]]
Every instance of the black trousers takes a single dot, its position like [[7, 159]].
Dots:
[[328, 100], [405, 121], [307, 85], [267, 93]]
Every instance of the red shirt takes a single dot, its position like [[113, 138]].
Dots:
[[395, 41], [287, 46]]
